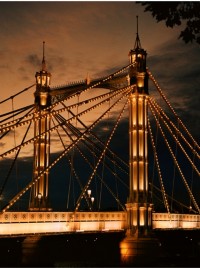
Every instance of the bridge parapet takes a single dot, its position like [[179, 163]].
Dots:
[[15, 223], [171, 221], [12, 223]]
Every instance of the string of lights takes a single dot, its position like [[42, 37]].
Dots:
[[158, 168], [171, 108], [24, 190], [175, 160]]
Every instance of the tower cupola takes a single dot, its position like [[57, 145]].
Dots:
[[138, 74], [43, 77], [42, 84]]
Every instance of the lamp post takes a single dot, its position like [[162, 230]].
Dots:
[[39, 199], [92, 200], [89, 193]]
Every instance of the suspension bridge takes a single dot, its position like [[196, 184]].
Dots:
[[112, 150]]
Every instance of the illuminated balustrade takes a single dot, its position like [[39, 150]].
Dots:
[[173, 221], [12, 223]]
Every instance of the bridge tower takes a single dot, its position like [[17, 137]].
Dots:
[[39, 199], [138, 208], [139, 242]]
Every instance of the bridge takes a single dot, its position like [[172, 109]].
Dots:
[[83, 134]]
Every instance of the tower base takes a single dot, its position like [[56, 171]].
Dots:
[[140, 251]]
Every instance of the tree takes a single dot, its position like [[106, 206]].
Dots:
[[176, 14]]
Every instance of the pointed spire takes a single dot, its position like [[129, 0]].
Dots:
[[137, 40], [43, 59], [87, 79]]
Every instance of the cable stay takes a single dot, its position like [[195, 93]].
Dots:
[[92, 145], [174, 200], [15, 95], [72, 167], [92, 167], [13, 162], [22, 192], [76, 132], [175, 160], [101, 156], [171, 108], [15, 112], [179, 133], [177, 142], [95, 145], [158, 169], [17, 123]]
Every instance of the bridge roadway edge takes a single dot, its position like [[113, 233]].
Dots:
[[16, 223]]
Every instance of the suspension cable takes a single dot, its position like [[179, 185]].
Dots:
[[72, 167], [23, 191], [158, 168], [177, 141], [100, 141], [13, 163], [55, 127], [175, 161], [171, 108], [94, 146], [175, 128], [37, 115], [102, 154], [13, 96]]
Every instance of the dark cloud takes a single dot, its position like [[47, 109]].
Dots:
[[33, 60], [177, 72]]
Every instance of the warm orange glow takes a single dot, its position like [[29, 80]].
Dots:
[[43, 99], [141, 176], [135, 187], [135, 217], [140, 80], [134, 143], [142, 216], [141, 143], [42, 222]]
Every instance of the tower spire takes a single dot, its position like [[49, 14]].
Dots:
[[137, 40], [43, 59]]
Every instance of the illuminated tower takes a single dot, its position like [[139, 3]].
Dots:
[[138, 208], [39, 191], [139, 243]]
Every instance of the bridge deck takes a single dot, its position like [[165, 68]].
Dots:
[[13, 223]]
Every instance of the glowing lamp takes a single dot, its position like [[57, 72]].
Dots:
[[89, 192], [43, 78], [140, 81]]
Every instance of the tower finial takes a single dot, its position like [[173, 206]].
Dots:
[[137, 41], [43, 59]]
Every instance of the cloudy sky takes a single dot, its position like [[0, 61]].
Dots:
[[95, 38]]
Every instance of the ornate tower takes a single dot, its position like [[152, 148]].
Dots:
[[139, 245], [138, 209], [39, 192]]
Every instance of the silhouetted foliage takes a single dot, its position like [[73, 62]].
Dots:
[[176, 14]]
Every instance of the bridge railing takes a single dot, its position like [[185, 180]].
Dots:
[[14, 223], [48, 222], [169, 220]]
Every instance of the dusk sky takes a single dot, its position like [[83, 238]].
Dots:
[[95, 38]]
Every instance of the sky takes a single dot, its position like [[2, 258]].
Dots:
[[94, 38]]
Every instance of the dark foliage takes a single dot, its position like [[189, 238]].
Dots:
[[186, 14]]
